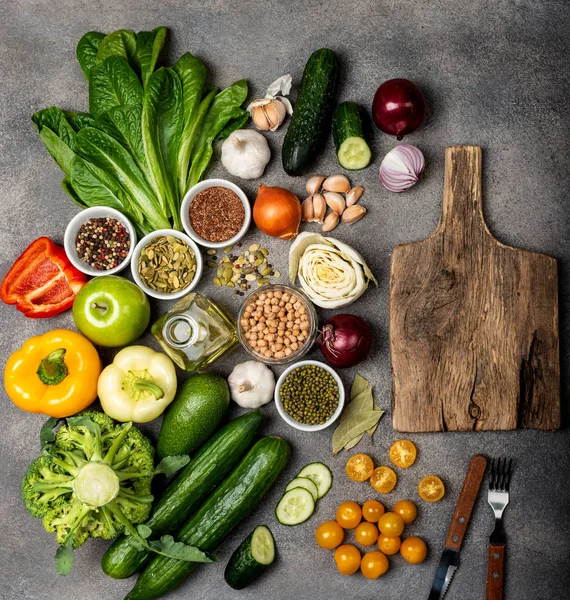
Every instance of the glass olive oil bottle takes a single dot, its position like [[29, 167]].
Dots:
[[195, 332]]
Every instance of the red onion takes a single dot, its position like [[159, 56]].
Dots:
[[398, 107], [345, 340], [401, 168]]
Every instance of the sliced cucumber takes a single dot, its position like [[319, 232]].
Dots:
[[295, 507], [320, 475], [354, 154], [251, 558], [304, 482]]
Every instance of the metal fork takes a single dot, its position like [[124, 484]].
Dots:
[[498, 498]]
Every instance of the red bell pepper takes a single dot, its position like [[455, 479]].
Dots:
[[42, 282]]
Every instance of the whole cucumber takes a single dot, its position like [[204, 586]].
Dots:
[[310, 122], [188, 490], [234, 500]]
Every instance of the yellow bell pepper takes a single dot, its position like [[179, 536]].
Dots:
[[54, 374], [138, 385]]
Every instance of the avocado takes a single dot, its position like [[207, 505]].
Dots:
[[197, 410]]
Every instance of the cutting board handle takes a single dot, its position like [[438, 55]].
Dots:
[[462, 210]]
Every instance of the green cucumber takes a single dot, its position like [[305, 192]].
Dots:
[[251, 558], [353, 152], [304, 482], [188, 490], [231, 502], [319, 474], [295, 507], [311, 117]]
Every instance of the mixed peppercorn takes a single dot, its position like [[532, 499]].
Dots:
[[103, 243]]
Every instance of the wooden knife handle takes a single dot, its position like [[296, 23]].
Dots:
[[495, 573], [466, 502]]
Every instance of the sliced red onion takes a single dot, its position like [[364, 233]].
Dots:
[[402, 167]]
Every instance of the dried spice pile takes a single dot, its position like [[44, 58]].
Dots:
[[103, 243], [216, 214]]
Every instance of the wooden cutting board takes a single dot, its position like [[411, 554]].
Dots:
[[473, 323]]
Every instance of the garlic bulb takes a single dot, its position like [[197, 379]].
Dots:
[[245, 154], [251, 384], [401, 168], [268, 113]]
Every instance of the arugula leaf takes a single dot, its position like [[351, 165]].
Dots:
[[47, 432], [86, 51], [113, 83], [148, 47], [162, 122], [144, 531], [64, 556], [121, 42], [167, 546], [170, 464]]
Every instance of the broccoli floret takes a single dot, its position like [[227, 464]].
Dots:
[[93, 481]]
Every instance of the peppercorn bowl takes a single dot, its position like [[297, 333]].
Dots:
[[203, 186], [150, 271], [288, 418], [277, 324], [77, 227]]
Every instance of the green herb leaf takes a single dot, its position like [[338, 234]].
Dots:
[[47, 432], [353, 442], [64, 556], [134, 542], [358, 386], [362, 402], [144, 531], [170, 464], [178, 550], [352, 427]]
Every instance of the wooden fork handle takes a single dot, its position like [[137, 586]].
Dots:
[[495, 572], [466, 502]]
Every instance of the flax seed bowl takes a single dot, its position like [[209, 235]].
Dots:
[[277, 324], [166, 264], [215, 213], [100, 241]]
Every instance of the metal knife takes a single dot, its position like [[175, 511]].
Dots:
[[450, 557]]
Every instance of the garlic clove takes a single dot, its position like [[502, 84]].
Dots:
[[259, 117], [335, 202], [314, 184], [353, 195], [319, 207], [353, 214], [330, 222], [307, 210], [275, 113], [337, 183]]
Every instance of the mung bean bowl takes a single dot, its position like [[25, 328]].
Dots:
[[308, 404]]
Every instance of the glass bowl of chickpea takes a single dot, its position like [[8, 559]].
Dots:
[[277, 324]]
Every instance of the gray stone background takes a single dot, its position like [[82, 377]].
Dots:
[[495, 73]]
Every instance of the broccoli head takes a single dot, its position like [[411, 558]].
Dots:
[[94, 480]]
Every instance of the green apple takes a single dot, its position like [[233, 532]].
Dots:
[[111, 311]]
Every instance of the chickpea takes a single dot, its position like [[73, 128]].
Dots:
[[279, 354], [268, 354], [253, 343], [281, 326], [302, 310], [278, 346], [265, 330], [297, 305], [281, 303], [262, 296], [279, 339], [252, 322], [294, 346], [270, 294], [288, 307], [278, 294], [287, 342], [247, 314], [281, 314], [305, 326], [262, 343], [244, 322], [290, 324], [288, 351], [275, 309], [270, 337], [262, 319], [296, 332]]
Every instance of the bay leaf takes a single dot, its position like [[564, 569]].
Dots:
[[352, 427], [373, 429], [362, 402], [358, 386], [353, 442]]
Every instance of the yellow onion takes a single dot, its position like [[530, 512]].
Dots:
[[277, 212]]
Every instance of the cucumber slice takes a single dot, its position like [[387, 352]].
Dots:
[[304, 482], [295, 507], [354, 154], [320, 475], [263, 545]]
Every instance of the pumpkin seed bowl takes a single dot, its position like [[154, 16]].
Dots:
[[166, 264]]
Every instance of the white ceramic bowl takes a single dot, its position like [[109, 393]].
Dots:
[[96, 212], [147, 239], [293, 422], [200, 187]]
